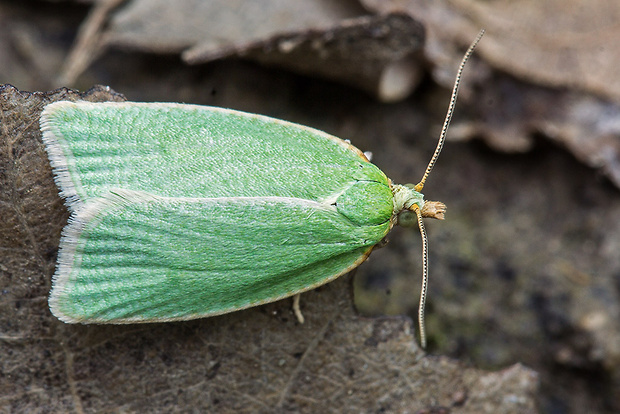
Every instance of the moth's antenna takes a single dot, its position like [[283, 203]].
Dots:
[[446, 122], [437, 209], [418, 214]]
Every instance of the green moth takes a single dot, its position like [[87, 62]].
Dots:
[[183, 211]]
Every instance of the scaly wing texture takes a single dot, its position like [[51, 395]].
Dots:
[[135, 257], [176, 150], [183, 211]]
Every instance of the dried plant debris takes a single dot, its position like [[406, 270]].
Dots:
[[259, 360], [334, 40], [167, 27], [543, 44], [374, 53], [569, 60], [511, 114]]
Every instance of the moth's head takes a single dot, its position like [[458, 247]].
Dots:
[[407, 200], [430, 209]]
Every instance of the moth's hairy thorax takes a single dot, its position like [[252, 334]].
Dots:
[[405, 197]]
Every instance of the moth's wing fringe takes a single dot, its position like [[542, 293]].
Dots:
[[57, 155], [70, 239]]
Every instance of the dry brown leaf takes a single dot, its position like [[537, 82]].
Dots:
[[373, 53], [556, 43], [168, 27], [335, 40]]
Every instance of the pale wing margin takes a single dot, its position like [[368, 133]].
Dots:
[[61, 160], [135, 257]]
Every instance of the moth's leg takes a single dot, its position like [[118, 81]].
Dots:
[[296, 308]]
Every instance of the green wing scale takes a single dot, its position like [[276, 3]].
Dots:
[[177, 150], [182, 211]]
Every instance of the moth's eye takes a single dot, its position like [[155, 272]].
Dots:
[[407, 218]]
